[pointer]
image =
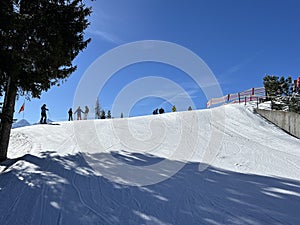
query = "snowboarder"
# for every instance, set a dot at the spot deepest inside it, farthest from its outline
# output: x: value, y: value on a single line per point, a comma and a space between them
x: 43, y: 114
x: 86, y: 112
x: 70, y: 114
x: 78, y: 111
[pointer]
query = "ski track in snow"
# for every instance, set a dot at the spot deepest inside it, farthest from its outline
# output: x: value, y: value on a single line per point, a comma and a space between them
x: 253, y: 177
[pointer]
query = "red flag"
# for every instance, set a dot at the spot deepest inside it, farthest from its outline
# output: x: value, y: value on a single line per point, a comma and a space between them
x: 22, y: 107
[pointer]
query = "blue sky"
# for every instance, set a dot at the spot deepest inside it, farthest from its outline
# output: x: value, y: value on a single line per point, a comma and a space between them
x: 239, y: 40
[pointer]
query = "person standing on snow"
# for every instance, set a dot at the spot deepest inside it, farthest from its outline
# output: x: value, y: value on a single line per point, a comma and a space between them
x: 70, y: 114
x: 78, y: 111
x: 155, y: 112
x: 43, y: 114
x: 86, y: 112
x: 161, y: 111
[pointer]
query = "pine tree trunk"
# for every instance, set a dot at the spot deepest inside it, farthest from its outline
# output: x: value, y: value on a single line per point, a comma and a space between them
x: 7, y: 118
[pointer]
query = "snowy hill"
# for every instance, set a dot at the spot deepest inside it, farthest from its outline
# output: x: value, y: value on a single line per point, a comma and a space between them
x: 220, y: 166
x: 21, y: 123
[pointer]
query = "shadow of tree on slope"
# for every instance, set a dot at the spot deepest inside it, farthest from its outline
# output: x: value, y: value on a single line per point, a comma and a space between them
x: 64, y: 190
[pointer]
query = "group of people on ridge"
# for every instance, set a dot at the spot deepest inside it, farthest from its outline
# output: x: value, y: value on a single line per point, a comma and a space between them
x: 70, y: 112
x: 78, y: 112
x: 160, y: 111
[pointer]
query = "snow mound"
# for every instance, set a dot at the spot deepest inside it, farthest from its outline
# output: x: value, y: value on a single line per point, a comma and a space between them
x: 21, y: 123
x: 225, y: 165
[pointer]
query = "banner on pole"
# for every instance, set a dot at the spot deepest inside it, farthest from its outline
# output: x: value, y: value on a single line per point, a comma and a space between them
x: 22, y: 108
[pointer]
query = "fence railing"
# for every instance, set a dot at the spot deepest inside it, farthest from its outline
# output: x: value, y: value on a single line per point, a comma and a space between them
x: 252, y: 94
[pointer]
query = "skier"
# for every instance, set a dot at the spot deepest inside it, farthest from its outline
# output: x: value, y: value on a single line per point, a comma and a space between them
x: 86, y: 112
x: 43, y: 114
x: 78, y: 111
x: 70, y: 114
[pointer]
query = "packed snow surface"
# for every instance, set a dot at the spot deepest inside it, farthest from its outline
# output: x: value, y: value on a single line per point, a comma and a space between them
x: 225, y: 165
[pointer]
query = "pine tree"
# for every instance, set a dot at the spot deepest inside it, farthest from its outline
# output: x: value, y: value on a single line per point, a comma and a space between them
x: 97, y: 110
x: 122, y: 115
x: 281, y: 90
x: 272, y: 86
x: 287, y: 87
x: 276, y: 86
x: 108, y: 115
x: 190, y: 108
x: 294, y: 105
x: 38, y: 42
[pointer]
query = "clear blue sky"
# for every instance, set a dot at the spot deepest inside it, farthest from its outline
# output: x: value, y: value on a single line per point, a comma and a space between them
x: 239, y: 40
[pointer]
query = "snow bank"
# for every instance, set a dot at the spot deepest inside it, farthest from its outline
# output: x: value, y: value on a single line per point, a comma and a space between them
x: 219, y: 166
x: 21, y: 123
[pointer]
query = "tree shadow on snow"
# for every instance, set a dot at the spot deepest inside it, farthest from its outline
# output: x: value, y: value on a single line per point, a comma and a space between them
x: 53, y: 189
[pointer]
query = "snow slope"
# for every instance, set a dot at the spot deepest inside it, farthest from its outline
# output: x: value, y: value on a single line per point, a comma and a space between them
x: 220, y: 166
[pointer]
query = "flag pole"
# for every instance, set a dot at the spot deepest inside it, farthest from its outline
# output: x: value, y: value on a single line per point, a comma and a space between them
x: 24, y: 109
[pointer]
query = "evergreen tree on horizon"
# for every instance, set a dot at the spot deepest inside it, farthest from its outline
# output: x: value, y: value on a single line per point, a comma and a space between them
x: 97, y: 109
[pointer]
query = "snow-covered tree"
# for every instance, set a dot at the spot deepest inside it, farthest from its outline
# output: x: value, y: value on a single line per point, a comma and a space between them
x: 97, y: 110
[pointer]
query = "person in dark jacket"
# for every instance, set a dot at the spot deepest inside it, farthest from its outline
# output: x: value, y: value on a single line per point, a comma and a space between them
x: 43, y: 114
x: 161, y: 111
x: 155, y: 111
x: 70, y: 114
